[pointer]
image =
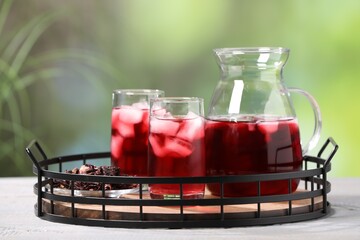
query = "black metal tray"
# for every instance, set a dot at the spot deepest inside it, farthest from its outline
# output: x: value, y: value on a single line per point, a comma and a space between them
x: 137, y: 210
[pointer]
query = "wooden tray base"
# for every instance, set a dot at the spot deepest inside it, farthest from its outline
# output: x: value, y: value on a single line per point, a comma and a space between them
x: 161, y: 213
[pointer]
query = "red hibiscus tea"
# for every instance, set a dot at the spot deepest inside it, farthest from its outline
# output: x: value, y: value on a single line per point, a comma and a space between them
x: 130, y: 128
x: 129, y: 140
x: 252, y: 146
x: 176, y: 149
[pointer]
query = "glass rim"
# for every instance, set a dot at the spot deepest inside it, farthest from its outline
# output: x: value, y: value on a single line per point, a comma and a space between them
x: 139, y: 91
x: 177, y: 99
x: 243, y: 50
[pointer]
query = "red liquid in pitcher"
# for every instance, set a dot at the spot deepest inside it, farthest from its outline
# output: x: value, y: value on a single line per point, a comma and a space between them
x: 253, y: 146
x: 176, y: 149
x: 129, y: 140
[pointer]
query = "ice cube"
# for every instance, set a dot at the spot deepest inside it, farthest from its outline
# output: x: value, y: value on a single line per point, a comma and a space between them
x: 158, y: 111
x: 251, y: 126
x: 115, y: 117
x: 141, y: 105
x: 116, y: 147
x: 171, y: 147
x: 126, y: 130
x: 191, y: 115
x: 168, y: 115
x: 166, y: 127
x: 156, y: 146
x: 192, y: 129
x: 130, y: 115
x: 268, y: 127
x: 175, y: 147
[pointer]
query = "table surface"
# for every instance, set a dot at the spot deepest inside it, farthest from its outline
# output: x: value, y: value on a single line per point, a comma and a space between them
x: 18, y: 221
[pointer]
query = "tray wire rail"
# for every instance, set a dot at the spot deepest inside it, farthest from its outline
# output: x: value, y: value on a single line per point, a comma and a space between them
x: 138, y: 210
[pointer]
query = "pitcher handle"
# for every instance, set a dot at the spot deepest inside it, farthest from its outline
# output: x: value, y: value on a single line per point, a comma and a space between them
x: 318, y: 123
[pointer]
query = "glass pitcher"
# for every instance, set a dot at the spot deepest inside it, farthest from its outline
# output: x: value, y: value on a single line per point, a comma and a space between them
x: 251, y: 125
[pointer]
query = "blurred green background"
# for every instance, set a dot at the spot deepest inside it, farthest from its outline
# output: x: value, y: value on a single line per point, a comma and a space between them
x: 60, y: 61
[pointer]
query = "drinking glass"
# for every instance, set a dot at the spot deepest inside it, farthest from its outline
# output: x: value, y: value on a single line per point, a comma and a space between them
x: 176, y: 145
x: 129, y: 129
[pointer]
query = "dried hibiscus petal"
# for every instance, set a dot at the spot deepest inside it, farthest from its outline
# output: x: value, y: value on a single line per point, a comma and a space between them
x: 89, y: 169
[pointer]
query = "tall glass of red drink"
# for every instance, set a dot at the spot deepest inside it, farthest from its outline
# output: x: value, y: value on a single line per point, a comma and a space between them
x: 129, y: 129
x: 176, y: 146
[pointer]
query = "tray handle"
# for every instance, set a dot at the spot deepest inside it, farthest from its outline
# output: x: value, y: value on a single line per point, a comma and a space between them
x: 32, y: 144
x: 331, y: 155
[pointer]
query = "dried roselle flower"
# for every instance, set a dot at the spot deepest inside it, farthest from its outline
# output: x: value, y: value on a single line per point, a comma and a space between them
x: 99, y: 171
x: 90, y: 169
x: 57, y: 183
x: 86, y: 169
x: 92, y: 186
x: 111, y: 171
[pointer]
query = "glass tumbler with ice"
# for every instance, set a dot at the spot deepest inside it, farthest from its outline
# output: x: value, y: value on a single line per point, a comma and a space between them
x: 129, y: 129
x: 176, y: 145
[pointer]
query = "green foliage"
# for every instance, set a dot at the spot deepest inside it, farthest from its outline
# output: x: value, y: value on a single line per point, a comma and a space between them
x: 19, y: 70
x: 15, y: 78
x: 58, y: 68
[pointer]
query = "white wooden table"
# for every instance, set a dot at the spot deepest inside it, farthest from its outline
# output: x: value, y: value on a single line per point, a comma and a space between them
x: 18, y: 221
